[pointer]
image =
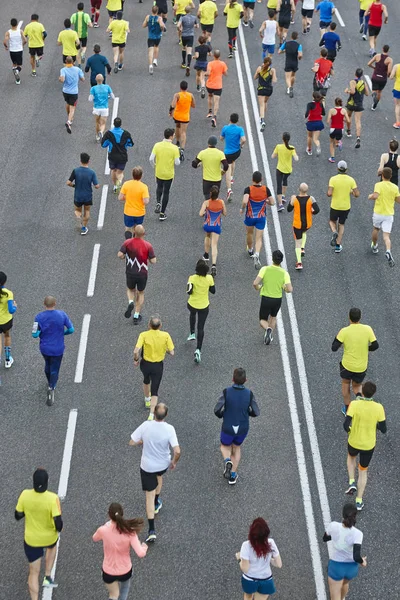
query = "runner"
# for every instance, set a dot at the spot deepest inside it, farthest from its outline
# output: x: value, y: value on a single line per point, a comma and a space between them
x: 201, y: 54
x: 314, y: 112
x: 255, y: 200
x: 364, y: 20
x: 234, y: 407
x: 43, y: 522
x: 14, y: 42
x: 156, y: 439
x: 95, y: 10
x: 69, y: 77
x: 285, y: 154
x: 304, y: 207
x: 97, y: 64
x: 117, y: 140
x: 80, y: 22
x: 395, y: 74
x: 235, y: 139
x: 216, y: 69
x: 186, y: 27
x: 164, y: 157
x: 271, y: 5
x: 358, y: 340
x: 137, y: 253
x: 8, y: 308
x: 265, y: 76
x: 382, y: 65
x: 36, y: 34
x: 271, y: 282
x: 385, y: 195
x: 135, y: 195
x: 294, y: 53
x: 83, y: 180
x: 179, y: 110
x: 51, y: 326
x: 100, y: 95
x: 267, y: 33
x: 162, y: 11
x: 337, y: 116
x: 234, y: 13
x: 376, y: 12
x: 331, y: 41
x: 113, y: 7
x: 326, y: 11
x: 341, y: 187
x: 323, y: 70
x: 213, y: 161
x: 286, y: 10
x: 119, y: 535
x: 179, y: 12
x: 212, y: 211
x: 391, y: 159
x: 248, y: 14
x: 346, y: 556
x: 207, y: 13
x: 119, y: 29
x: 357, y: 90
x: 151, y: 348
x: 198, y: 288
x: 69, y: 40
x: 155, y: 25
x: 364, y: 416
x: 307, y: 13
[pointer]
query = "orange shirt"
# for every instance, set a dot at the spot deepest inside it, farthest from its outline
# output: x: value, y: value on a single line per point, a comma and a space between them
x: 182, y: 108
x: 134, y: 192
x: 215, y: 70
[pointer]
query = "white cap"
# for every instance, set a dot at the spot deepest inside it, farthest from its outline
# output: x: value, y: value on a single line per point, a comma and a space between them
x: 342, y: 165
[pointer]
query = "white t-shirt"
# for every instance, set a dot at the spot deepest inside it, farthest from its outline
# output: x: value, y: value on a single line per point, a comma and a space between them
x: 308, y: 4
x: 259, y: 567
x: 157, y: 438
x: 343, y: 539
x: 270, y: 33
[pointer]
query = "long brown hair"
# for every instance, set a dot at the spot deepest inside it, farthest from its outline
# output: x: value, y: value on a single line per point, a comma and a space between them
x: 129, y: 526
x: 266, y: 65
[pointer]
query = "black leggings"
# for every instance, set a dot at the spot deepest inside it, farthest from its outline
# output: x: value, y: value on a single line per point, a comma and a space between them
x: 232, y: 34
x: 162, y: 191
x: 202, y: 314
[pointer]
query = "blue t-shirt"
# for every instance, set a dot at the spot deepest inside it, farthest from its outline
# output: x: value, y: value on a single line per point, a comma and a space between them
x: 101, y: 93
x: 72, y: 76
x: 325, y: 9
x: 97, y: 63
x: 51, y: 324
x: 232, y: 134
x: 84, y: 179
x: 331, y: 40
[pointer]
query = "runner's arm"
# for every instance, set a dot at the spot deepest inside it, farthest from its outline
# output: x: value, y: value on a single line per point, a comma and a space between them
x: 203, y: 208
x: 336, y: 345
x: 373, y: 346
x: 121, y: 197
x: 18, y: 515
x: 145, y: 21
x: 195, y: 162
x: 274, y: 77
x: 245, y: 200
x: 224, y: 211
x: 176, y: 456
x: 315, y: 207
x: 385, y: 12
x: 5, y: 41
x: 288, y: 288
x: 58, y: 522
x: 257, y: 283
x: 224, y: 164
x: 330, y: 191
x: 371, y: 62
x: 397, y: 199
x: 382, y: 426
x: 290, y: 206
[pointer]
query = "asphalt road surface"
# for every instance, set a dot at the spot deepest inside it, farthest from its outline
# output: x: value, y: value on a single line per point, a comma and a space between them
x: 293, y: 471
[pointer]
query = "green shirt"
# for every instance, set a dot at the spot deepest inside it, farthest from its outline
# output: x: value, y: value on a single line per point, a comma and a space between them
x: 273, y: 281
x: 80, y: 22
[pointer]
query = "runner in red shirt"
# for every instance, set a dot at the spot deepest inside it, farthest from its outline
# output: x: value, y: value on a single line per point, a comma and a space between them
x: 314, y: 113
x: 323, y: 69
x: 375, y: 12
x: 336, y: 119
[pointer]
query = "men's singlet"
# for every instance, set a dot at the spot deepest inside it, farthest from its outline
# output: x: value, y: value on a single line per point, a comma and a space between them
x: 257, y: 204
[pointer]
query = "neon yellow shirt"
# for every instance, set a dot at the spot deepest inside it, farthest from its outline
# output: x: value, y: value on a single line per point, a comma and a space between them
x: 356, y: 339
x: 67, y: 38
x: 388, y: 192
x: 342, y: 185
x: 366, y: 413
x: 34, y: 33
x: 274, y: 280
x: 199, y: 298
x: 119, y: 29
x: 233, y: 15
x: 39, y: 508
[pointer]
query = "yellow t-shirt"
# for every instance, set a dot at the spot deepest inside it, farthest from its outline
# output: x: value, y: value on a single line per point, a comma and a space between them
x: 366, y: 414
x: 165, y: 153
x: 364, y: 4
x: 135, y: 192
x: 233, y: 15
x: 40, y: 510
x: 388, y: 192
x: 356, y: 339
x: 155, y: 344
x: 114, y: 5
x: 119, y: 29
x: 34, y: 33
x: 67, y: 38
x: 342, y: 185
x: 180, y: 6
x: 272, y: 4
x: 211, y: 160
x: 199, y: 298
x: 285, y: 158
x: 274, y: 279
x: 207, y: 11
x: 5, y: 316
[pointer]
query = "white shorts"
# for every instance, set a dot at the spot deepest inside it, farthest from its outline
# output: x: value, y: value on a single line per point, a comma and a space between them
x: 383, y: 222
x: 100, y: 112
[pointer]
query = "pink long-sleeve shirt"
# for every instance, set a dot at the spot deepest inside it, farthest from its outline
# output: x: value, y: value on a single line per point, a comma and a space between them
x: 117, y: 547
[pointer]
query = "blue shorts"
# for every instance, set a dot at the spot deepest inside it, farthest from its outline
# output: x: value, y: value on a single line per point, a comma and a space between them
x: 396, y: 94
x: 270, y: 48
x: 342, y: 570
x: 212, y: 228
x: 132, y: 221
x: 200, y: 65
x: 262, y: 586
x: 33, y: 553
x: 315, y: 126
x: 257, y: 222
x: 228, y: 440
x: 117, y: 166
x: 324, y: 24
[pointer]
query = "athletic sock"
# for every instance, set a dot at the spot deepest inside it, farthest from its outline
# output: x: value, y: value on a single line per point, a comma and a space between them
x: 151, y: 524
x: 136, y: 315
x: 183, y: 57
x: 233, y: 473
x: 358, y: 499
x: 351, y: 481
x: 7, y: 352
x: 156, y: 500
x: 189, y: 59
x: 226, y: 459
x: 206, y: 255
x: 96, y: 17
x: 303, y: 239
x: 298, y: 255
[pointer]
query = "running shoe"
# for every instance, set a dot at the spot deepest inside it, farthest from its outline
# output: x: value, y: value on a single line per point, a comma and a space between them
x: 98, y: 136
x: 150, y: 417
x: 250, y: 251
x: 361, y: 27
x: 68, y: 127
x: 389, y: 257
x: 115, y: 189
x: 304, y: 31
x: 308, y: 28
x: 151, y: 538
x: 162, y: 216
x: 299, y: 266
x: 183, y: 66
x: 120, y: 66
x: 280, y: 208
x: 181, y: 154
x: 233, y: 479
x: 115, y: 67
x: 230, y: 55
x: 303, y: 252
x: 331, y: 159
x: 343, y: 410
x: 229, y: 195
x: 262, y: 123
x: 33, y: 74
x: 234, y: 48
x: 351, y: 489
x: 95, y: 25
x: 364, y: 37
x: 191, y: 337
x: 203, y: 92
x: 257, y: 263
x: 251, y: 24
x: 245, y: 23
x: 228, y: 468
x: 37, y: 60
x: 158, y: 507
x: 268, y: 336
x: 129, y: 310
x: 374, y: 106
x: 290, y: 92
x: 198, y: 88
x: 358, y: 142
x: 206, y: 257
x: 374, y: 248
x: 157, y: 209
x: 309, y: 151
x: 84, y: 230
x: 348, y: 133
x: 318, y: 151
x: 338, y: 248
x: 214, y: 122
x: 359, y: 505
x: 136, y: 320
x: 334, y: 238
x: 209, y: 114
x: 8, y: 362
x: 49, y: 582
x: 151, y: 69
x: 213, y: 271
x: 50, y: 397
x: 340, y: 145
x: 197, y: 356
x: 396, y: 125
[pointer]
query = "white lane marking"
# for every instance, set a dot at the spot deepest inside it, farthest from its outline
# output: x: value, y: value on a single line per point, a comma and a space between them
x: 93, y: 270
x: 63, y: 482
x: 102, y: 210
x: 339, y: 17
x: 368, y: 80
x: 80, y: 363
x: 114, y: 114
x: 19, y: 25
x: 304, y: 480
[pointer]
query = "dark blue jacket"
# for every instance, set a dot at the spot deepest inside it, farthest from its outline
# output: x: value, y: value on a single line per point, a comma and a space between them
x: 235, y: 406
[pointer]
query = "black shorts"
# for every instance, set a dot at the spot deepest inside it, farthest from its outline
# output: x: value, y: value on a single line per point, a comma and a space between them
x: 354, y: 107
x: 187, y: 42
x: 153, y: 43
x: 207, y: 28
x: 112, y: 13
x: 249, y: 5
x: 365, y: 455
x: 291, y: 68
x: 17, y: 57
x: 116, y: 166
x: 83, y: 42
x: 336, y: 134
x: 281, y: 180
x: 65, y: 56
x: 265, y: 92
x: 212, y: 92
x: 298, y: 233
x: 307, y: 13
x: 112, y: 578
x: 284, y: 23
x: 338, y: 215
x: 232, y: 157
x: 350, y: 375
x: 119, y: 45
x: 178, y: 123
x: 149, y: 480
x: 86, y: 203
x: 373, y: 31
x: 332, y: 55
x: 6, y: 326
x: 207, y: 185
x: 269, y: 307
x: 162, y: 7
x: 70, y: 99
x: 324, y: 24
x: 152, y: 373
x: 320, y: 90
x: 378, y: 86
x: 36, y: 51
x: 33, y: 553
x: 178, y: 18
x: 136, y: 281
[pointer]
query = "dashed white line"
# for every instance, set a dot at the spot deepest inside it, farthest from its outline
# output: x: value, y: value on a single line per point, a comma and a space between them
x: 114, y: 114
x: 93, y: 270
x: 339, y: 17
x: 368, y: 80
x: 80, y: 363
x: 102, y: 210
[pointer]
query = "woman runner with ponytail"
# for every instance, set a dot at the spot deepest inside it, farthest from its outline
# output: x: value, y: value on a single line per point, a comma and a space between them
x: 266, y: 76
x: 285, y: 154
x: 234, y: 12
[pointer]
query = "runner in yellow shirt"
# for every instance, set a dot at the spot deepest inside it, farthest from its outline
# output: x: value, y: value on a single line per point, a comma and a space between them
x: 179, y: 12
x: 199, y: 286
x: 164, y: 157
x: 207, y: 13
x: 364, y: 5
x: 36, y: 34
x: 234, y: 13
x: 340, y: 188
x: 119, y: 29
x: 385, y: 195
x: 214, y: 163
x: 69, y: 40
x: 113, y: 7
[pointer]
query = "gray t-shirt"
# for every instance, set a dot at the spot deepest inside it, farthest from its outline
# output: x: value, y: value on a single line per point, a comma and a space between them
x: 188, y: 23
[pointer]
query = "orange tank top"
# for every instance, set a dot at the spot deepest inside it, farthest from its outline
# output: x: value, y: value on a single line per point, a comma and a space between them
x: 182, y: 108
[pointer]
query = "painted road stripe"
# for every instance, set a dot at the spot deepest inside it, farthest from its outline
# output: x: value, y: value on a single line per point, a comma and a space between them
x: 103, y: 204
x: 80, y: 363
x: 368, y: 80
x: 339, y: 17
x: 93, y: 270
x: 114, y: 114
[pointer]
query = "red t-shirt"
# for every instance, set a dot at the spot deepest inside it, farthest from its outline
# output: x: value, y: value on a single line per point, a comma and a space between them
x: 375, y: 15
x: 137, y: 253
x: 324, y: 68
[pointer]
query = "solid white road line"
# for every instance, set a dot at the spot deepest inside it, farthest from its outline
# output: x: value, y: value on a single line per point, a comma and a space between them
x: 20, y: 24
x: 63, y: 482
x: 369, y: 82
x: 114, y: 114
x: 93, y: 270
x: 80, y: 363
x: 339, y: 17
x: 103, y: 204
